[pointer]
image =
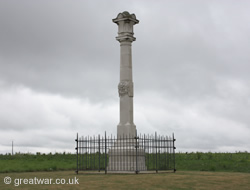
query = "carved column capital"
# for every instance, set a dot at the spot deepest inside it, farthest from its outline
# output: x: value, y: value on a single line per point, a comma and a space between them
x: 125, y: 22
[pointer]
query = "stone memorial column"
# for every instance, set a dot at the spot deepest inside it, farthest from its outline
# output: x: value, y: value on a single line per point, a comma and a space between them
x: 125, y: 22
x: 125, y: 154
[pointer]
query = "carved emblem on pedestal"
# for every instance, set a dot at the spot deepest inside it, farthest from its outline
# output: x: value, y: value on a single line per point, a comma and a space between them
x: 125, y: 87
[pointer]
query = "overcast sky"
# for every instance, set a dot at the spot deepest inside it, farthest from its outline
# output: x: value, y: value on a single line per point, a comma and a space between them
x: 59, y: 72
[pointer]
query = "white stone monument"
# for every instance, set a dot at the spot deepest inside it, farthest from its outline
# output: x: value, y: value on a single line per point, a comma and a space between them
x: 126, y: 155
x: 125, y: 22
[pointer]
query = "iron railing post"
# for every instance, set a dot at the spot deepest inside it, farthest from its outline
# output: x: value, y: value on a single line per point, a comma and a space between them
x: 99, y: 150
x: 76, y: 153
x: 105, y: 153
x: 156, y: 153
x: 136, y: 154
x: 174, y: 152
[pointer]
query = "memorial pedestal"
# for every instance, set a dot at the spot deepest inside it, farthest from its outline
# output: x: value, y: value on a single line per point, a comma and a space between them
x: 125, y: 156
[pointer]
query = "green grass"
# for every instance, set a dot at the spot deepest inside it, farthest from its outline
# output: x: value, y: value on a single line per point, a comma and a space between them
x: 38, y: 162
x: 228, y: 162
x: 183, y: 180
x: 193, y: 172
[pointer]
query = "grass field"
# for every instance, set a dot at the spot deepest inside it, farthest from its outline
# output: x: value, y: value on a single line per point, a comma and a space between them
x: 179, y: 180
x: 231, y: 162
x: 38, y: 162
x: 228, y: 162
x: 194, y: 171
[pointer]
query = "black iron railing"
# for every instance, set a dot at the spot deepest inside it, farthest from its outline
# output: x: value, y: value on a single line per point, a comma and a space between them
x: 126, y: 153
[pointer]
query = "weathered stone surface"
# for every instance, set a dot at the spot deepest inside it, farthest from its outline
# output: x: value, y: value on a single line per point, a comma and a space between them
x: 125, y: 22
x: 126, y: 88
x: 125, y: 155
x: 124, y: 159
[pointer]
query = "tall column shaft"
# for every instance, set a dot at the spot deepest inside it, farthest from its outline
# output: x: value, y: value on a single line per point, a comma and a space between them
x: 126, y: 126
x: 125, y: 22
x: 125, y: 61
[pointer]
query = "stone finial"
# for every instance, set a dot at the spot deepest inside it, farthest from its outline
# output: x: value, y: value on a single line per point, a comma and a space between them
x: 125, y: 22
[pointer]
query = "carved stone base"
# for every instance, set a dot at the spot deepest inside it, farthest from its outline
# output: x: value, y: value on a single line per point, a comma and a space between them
x: 126, y: 158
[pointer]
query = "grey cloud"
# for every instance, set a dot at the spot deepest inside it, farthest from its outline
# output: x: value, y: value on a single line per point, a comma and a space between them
x: 193, y: 57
